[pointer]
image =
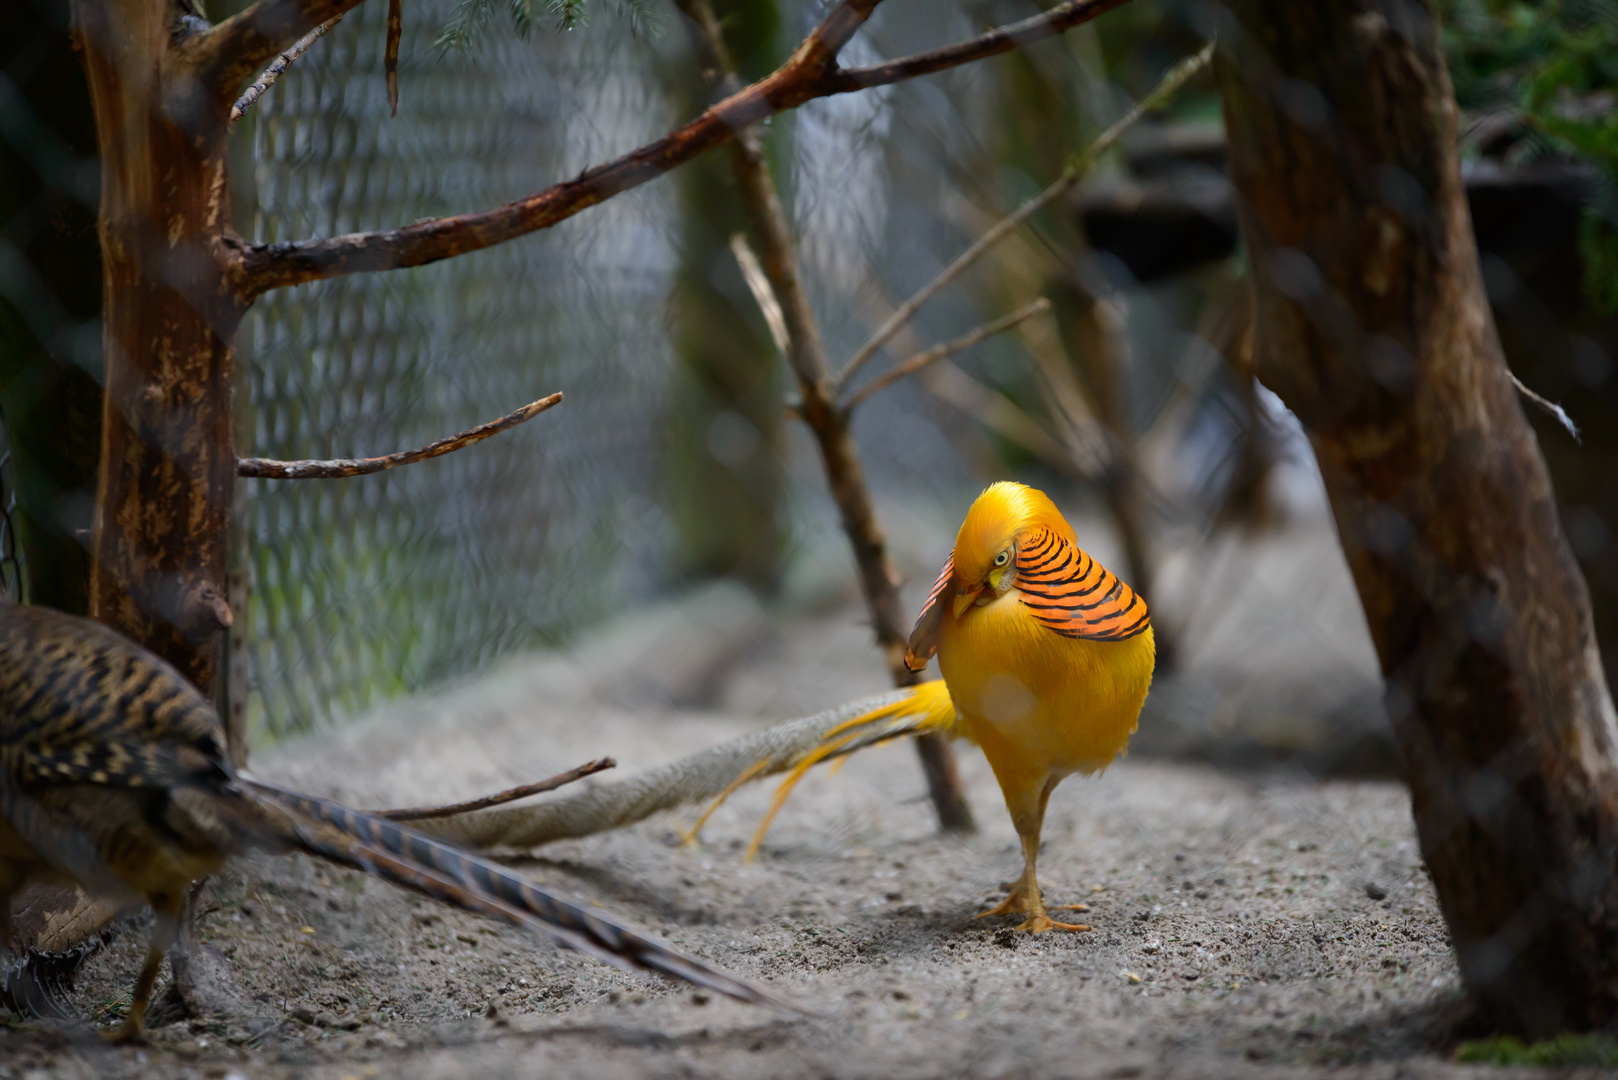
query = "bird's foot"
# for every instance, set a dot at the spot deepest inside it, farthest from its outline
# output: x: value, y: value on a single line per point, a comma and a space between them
x: 1039, y: 923
x: 1015, y: 904
x: 132, y: 1032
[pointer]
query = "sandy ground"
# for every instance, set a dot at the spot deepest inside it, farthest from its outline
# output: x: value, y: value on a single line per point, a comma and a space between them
x: 1258, y: 924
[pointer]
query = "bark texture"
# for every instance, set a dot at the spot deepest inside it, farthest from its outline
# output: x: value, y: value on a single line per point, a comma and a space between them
x: 167, y: 458
x: 1372, y: 324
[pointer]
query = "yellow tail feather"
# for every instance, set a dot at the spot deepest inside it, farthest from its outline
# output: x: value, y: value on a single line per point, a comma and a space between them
x: 927, y: 708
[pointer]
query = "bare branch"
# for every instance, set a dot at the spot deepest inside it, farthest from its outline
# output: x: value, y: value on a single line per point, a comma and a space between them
x: 1556, y: 411
x: 232, y: 52
x: 1177, y: 77
x: 1002, y: 39
x: 946, y: 350
x: 390, y: 55
x: 270, y: 469
x: 416, y: 813
x: 811, y: 72
x: 763, y: 294
x: 278, y: 67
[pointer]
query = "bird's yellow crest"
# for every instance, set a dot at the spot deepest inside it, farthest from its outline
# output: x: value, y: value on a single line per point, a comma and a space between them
x: 1014, y: 536
x: 997, y: 518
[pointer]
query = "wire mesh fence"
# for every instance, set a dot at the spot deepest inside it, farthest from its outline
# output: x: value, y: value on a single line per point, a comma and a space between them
x: 367, y: 587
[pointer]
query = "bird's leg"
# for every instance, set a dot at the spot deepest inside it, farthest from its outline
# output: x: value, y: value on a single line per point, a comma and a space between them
x: 164, y: 926
x: 1025, y: 898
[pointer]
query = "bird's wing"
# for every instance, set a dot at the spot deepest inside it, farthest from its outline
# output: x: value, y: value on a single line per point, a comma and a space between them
x: 1068, y: 591
x: 924, y: 637
x: 81, y: 703
x: 59, y: 844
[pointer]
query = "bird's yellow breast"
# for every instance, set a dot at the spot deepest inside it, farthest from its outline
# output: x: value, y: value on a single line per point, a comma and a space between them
x: 1056, y: 704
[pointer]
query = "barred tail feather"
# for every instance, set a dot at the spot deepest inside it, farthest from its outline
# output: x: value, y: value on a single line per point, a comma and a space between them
x: 405, y: 857
x: 712, y: 774
x: 598, y: 807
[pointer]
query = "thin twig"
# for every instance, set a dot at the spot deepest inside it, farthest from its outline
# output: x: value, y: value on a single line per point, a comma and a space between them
x: 811, y: 72
x: 416, y: 813
x: 1046, y: 24
x: 1001, y: 415
x: 251, y: 95
x: 1177, y: 77
x: 270, y: 469
x: 390, y: 54
x: 1555, y: 410
x: 763, y: 295
x: 946, y: 350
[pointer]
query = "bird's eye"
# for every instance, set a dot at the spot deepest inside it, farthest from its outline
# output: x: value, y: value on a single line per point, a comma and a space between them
x: 1002, y: 558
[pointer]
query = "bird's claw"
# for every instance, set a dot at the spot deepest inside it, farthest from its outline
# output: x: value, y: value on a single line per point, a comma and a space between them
x: 1039, y: 924
x: 1015, y: 904
x: 129, y: 1033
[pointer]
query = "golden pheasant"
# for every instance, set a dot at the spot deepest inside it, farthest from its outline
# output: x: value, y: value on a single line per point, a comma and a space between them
x: 113, y: 775
x: 1046, y: 656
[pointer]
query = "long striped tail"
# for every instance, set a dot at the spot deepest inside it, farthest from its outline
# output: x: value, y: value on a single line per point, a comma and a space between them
x: 792, y: 747
x: 926, y: 707
x: 405, y: 857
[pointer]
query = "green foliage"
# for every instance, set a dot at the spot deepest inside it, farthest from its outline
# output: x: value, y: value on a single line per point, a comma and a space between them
x: 1598, y: 1050
x: 1598, y: 249
x: 467, y: 24
x: 1552, y: 65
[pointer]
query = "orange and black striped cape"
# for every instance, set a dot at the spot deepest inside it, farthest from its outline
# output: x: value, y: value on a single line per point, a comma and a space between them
x: 1061, y: 586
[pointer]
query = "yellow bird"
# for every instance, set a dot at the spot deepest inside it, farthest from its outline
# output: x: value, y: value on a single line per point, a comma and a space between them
x: 1046, y: 655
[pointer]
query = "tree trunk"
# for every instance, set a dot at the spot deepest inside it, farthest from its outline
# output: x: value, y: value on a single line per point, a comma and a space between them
x: 1372, y: 325
x: 726, y: 425
x: 168, y: 463
x: 167, y: 460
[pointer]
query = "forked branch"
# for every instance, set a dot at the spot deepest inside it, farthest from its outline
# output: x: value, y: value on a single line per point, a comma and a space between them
x: 270, y: 469
x: 231, y: 53
x: 811, y: 72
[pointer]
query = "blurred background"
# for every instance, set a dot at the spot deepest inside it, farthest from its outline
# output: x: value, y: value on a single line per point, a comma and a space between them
x: 673, y: 504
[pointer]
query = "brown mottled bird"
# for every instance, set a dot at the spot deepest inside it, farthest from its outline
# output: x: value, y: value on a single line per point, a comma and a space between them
x: 113, y: 775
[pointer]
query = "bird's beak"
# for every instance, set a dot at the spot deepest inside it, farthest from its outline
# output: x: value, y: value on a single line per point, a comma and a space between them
x: 965, y: 599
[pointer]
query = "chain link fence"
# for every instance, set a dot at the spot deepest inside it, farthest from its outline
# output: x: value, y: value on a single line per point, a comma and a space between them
x: 373, y: 586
